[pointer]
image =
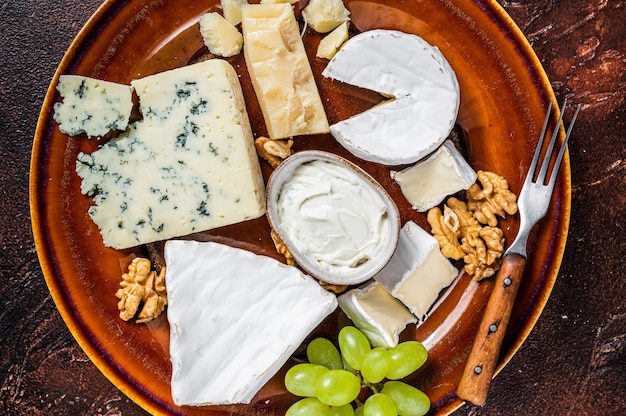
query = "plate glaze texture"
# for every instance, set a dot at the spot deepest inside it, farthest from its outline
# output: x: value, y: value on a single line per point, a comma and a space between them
x: 504, y: 92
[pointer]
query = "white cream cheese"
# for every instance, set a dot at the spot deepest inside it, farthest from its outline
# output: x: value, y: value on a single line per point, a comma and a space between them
x: 332, y: 218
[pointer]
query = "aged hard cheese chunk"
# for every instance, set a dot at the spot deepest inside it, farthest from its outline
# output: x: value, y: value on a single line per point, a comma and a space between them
x: 325, y: 15
x: 188, y: 166
x: 235, y: 319
x: 219, y: 35
x: 280, y: 71
x: 429, y: 181
x: 417, y: 271
x: 331, y: 43
x: 92, y: 106
x: 232, y: 10
x: 375, y: 312
x: 422, y: 83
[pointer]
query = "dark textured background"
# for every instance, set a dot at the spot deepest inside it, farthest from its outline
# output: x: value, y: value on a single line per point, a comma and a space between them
x: 573, y: 363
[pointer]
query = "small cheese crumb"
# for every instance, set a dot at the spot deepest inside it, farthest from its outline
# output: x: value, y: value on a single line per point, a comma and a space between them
x: 219, y: 35
x: 325, y: 15
x: 331, y: 43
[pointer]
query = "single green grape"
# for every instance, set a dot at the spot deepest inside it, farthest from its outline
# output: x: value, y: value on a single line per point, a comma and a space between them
x: 301, y: 379
x: 323, y: 352
x: 379, y: 405
x: 308, y: 407
x: 345, y: 410
x: 409, y: 400
x: 353, y: 345
x: 405, y: 358
x: 338, y: 387
x: 375, y: 365
x: 359, y: 411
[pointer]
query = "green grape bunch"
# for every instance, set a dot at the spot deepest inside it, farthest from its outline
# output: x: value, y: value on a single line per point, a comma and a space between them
x: 331, y: 383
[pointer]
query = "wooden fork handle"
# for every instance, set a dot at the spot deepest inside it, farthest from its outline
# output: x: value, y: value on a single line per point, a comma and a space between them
x: 483, y: 358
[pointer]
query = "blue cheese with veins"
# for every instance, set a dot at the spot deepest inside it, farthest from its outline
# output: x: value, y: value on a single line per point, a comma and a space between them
x: 422, y: 86
x: 92, y: 106
x: 189, y: 165
x: 235, y: 319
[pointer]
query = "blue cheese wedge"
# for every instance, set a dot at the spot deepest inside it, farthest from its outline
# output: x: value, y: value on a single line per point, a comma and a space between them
x: 377, y: 313
x: 189, y: 165
x: 429, y: 181
x: 235, y: 318
x: 418, y: 271
x: 424, y: 95
x: 92, y: 106
x: 280, y: 71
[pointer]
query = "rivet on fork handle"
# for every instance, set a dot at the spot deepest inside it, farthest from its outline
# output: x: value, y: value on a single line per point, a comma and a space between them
x: 478, y: 373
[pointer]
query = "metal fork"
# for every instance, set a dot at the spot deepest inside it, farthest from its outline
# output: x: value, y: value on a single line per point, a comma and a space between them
x: 533, y: 203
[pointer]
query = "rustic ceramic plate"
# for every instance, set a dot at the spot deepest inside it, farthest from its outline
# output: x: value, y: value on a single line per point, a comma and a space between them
x: 504, y: 92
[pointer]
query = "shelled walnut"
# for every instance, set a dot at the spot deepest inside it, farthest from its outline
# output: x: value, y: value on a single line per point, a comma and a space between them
x: 282, y: 249
x: 274, y: 151
x: 459, y: 231
x: 494, y: 198
x: 141, y: 288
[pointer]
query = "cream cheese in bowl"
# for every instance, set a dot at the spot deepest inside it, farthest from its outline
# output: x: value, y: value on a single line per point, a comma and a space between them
x: 337, y: 221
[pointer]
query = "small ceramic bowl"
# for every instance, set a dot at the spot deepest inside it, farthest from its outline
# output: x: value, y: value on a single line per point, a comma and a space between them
x: 336, y: 227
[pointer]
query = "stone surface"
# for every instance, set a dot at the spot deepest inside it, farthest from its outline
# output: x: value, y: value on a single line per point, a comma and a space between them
x: 574, y: 361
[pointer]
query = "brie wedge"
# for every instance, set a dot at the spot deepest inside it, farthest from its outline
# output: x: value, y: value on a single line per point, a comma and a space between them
x: 423, y: 87
x: 235, y: 318
x: 373, y: 310
x: 429, y: 181
x: 417, y: 271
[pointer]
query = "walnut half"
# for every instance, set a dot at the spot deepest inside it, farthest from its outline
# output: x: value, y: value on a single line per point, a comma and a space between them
x: 141, y: 288
x: 461, y: 235
x: 494, y: 198
x: 273, y: 151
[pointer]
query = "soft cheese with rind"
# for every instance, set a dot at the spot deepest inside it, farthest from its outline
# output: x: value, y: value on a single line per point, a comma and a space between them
x: 189, y: 165
x: 235, y: 318
x: 429, y: 181
x: 379, y: 315
x: 418, y: 271
x: 280, y: 71
x: 92, y: 106
x: 423, y: 86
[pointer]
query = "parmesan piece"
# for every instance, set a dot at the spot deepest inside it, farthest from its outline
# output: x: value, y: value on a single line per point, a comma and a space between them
x: 280, y: 71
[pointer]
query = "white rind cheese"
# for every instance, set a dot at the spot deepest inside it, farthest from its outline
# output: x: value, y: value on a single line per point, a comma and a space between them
x: 188, y: 166
x: 219, y: 35
x: 379, y: 315
x: 235, y: 318
x: 92, y: 106
x: 417, y: 271
x: 429, y: 181
x: 280, y: 71
x: 421, y: 82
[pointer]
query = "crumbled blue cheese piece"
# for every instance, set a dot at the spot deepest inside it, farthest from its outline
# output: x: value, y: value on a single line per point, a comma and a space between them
x: 92, y: 106
x: 188, y: 166
x: 418, y: 271
x: 235, y: 318
x: 429, y: 181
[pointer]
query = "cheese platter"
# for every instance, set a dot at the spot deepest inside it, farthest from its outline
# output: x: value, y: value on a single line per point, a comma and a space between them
x: 500, y: 94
